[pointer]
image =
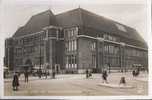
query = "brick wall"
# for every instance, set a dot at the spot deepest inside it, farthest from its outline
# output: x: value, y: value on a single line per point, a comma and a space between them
x: 84, y: 53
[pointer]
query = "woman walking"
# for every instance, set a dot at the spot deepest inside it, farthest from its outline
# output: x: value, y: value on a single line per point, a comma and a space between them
x: 104, y: 76
x: 15, y: 82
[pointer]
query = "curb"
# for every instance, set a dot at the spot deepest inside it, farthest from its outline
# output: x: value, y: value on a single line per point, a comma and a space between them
x: 138, y: 79
x: 115, y: 86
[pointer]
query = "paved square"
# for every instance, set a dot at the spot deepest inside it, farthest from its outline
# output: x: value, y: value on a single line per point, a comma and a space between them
x: 78, y: 85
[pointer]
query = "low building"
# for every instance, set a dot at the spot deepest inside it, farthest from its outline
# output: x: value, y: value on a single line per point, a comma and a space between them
x: 74, y: 41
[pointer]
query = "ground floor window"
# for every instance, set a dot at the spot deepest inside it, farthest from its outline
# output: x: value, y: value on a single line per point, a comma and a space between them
x: 94, y: 61
x: 71, y: 61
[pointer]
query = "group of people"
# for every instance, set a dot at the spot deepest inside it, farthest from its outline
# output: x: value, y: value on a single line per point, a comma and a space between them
x: 135, y: 72
x: 88, y: 73
x: 105, y: 75
x: 15, y: 82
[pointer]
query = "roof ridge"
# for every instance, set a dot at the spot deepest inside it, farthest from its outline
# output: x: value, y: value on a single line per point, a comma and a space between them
x: 67, y: 11
x: 37, y: 15
x: 107, y: 18
x: 43, y: 12
x: 80, y: 15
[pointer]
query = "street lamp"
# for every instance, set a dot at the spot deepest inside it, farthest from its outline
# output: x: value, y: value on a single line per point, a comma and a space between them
x: 40, y: 69
x: 102, y: 41
x: 122, y: 55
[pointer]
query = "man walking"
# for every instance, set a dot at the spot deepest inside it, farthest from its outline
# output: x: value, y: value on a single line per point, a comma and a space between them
x: 104, y: 76
x: 15, y: 82
x: 26, y: 76
x: 46, y: 73
x: 53, y: 74
x: 39, y: 73
x: 87, y: 72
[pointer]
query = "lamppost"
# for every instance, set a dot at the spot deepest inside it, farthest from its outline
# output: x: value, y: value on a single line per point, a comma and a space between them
x: 40, y: 70
x: 122, y: 55
x: 102, y: 41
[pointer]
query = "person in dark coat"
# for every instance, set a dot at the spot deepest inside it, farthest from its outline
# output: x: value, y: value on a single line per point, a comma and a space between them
x: 46, y: 73
x: 26, y: 76
x: 15, y: 82
x: 122, y: 81
x: 87, y: 73
x: 39, y: 73
x: 104, y: 76
x: 134, y: 73
x: 53, y: 74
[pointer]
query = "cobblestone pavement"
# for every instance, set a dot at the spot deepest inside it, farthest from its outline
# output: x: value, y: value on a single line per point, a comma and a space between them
x: 78, y: 85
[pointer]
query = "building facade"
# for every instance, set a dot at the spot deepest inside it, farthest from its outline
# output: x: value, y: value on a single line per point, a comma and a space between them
x: 74, y: 41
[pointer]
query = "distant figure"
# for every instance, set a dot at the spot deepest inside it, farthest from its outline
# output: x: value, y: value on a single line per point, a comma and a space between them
x: 46, y: 73
x: 39, y: 73
x: 122, y: 81
x: 104, y: 76
x: 15, y: 82
x: 87, y: 72
x: 90, y: 74
x: 138, y: 71
x: 26, y: 76
x: 133, y: 73
x: 109, y: 66
x: 53, y: 74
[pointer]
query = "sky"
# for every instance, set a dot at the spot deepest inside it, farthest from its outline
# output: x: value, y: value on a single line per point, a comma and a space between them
x: 15, y: 13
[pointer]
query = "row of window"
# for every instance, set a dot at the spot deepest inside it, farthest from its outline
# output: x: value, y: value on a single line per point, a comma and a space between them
x: 130, y: 62
x: 69, y: 66
x: 29, y: 40
x: 110, y: 49
x: 70, y: 32
x: 71, y: 61
x: 52, y: 33
x: 71, y: 45
x: 114, y: 61
x: 27, y: 50
x: 93, y: 46
x: 94, y: 61
x: 110, y: 37
x: 135, y: 52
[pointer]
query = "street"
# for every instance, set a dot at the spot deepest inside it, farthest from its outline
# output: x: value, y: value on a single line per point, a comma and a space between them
x: 78, y: 85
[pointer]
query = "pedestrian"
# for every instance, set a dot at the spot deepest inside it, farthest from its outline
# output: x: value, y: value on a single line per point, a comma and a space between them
x: 53, y: 74
x: 26, y: 76
x: 90, y: 74
x: 46, y: 73
x: 15, y: 82
x: 104, y: 76
x: 133, y: 73
x: 122, y: 81
x: 39, y: 73
x: 138, y: 71
x: 87, y: 73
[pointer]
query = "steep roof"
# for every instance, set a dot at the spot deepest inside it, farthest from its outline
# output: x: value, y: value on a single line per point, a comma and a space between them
x: 85, y: 18
x: 36, y: 23
x: 70, y: 18
x: 78, y: 17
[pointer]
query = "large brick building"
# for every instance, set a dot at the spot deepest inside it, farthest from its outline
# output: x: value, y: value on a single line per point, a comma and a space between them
x: 74, y: 41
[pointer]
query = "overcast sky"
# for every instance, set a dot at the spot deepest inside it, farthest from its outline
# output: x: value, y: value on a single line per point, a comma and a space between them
x: 16, y: 13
